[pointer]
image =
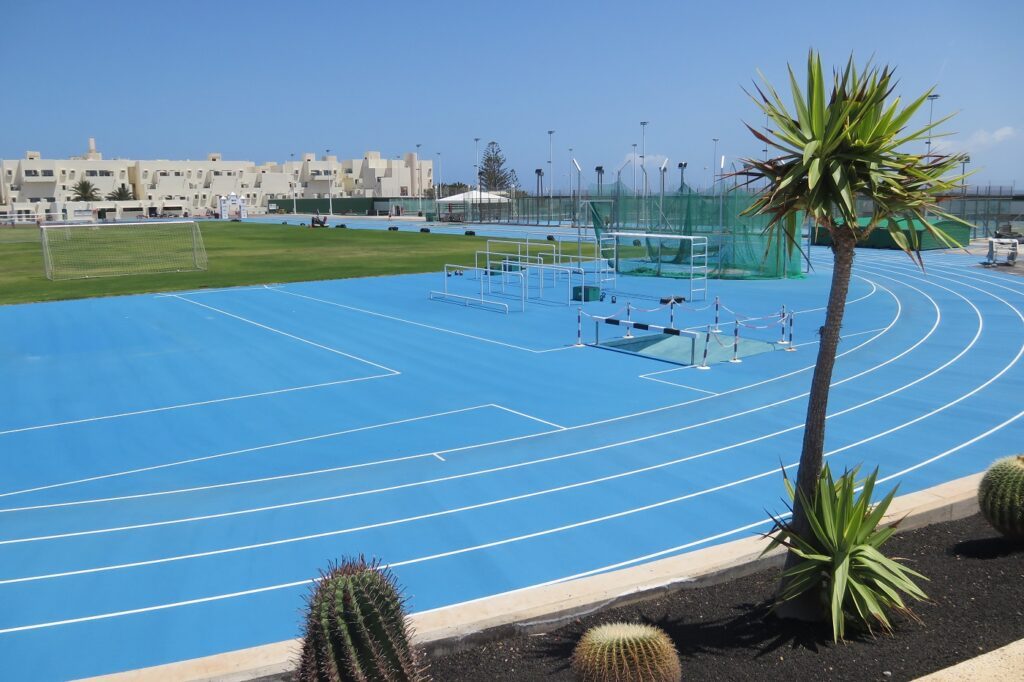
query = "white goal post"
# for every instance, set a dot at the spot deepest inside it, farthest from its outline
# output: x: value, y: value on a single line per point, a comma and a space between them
x: 83, y: 250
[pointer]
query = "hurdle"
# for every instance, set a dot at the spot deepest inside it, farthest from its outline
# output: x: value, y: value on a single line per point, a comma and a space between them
x: 631, y: 325
x: 480, y: 301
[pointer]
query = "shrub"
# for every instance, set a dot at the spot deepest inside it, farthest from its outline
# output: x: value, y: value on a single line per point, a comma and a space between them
x: 840, y: 557
x: 1001, y: 496
x: 356, y: 628
x: 626, y: 652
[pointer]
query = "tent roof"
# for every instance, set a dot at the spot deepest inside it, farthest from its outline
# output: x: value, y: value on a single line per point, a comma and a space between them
x: 473, y: 197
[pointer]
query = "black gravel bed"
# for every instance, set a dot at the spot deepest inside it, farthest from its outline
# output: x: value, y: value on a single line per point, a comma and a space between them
x: 724, y: 632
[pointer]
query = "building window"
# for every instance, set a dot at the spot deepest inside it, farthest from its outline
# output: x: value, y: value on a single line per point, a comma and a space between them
x: 163, y: 174
x: 107, y: 174
x: 47, y: 173
x: 31, y: 173
x: 404, y: 191
x: 216, y: 172
x: 177, y: 174
x: 92, y: 173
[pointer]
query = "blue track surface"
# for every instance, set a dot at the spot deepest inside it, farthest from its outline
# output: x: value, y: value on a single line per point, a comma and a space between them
x: 177, y: 468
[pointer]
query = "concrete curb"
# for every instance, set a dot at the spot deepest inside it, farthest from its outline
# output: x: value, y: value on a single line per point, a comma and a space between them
x: 545, y: 608
x: 1005, y: 664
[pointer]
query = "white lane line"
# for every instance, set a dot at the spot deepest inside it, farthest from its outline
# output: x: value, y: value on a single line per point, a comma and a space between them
x: 672, y: 383
x: 198, y: 403
x: 609, y: 420
x: 466, y: 550
x: 508, y: 467
x: 843, y: 336
x: 528, y: 416
x: 256, y: 448
x: 290, y: 336
x: 423, y: 325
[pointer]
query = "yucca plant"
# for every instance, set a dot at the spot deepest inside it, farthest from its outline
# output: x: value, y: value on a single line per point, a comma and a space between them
x: 845, y: 139
x: 840, y: 566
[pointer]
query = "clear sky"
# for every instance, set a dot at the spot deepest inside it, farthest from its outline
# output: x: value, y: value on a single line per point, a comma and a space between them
x: 260, y: 80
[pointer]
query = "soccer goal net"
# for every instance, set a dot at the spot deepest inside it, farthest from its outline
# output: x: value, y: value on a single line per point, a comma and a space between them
x: 77, y: 251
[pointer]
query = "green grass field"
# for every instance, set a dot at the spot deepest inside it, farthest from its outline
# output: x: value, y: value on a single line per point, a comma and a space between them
x: 247, y: 253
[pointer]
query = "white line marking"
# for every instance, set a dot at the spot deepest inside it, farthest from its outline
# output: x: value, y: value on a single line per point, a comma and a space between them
x: 843, y: 336
x: 464, y: 550
x: 423, y: 325
x: 231, y: 453
x: 507, y: 467
x: 527, y: 416
x: 672, y: 383
x: 198, y: 403
x: 290, y: 336
x: 609, y: 420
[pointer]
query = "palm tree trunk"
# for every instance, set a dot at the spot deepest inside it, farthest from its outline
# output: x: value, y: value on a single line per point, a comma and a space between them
x: 808, y: 606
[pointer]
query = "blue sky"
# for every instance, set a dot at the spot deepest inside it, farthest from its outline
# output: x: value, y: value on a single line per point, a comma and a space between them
x: 260, y: 80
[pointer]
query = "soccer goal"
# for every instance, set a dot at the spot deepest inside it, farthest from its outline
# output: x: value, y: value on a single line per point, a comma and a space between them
x: 78, y: 251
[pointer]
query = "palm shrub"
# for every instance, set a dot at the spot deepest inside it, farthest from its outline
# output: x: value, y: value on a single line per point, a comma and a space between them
x: 626, y: 652
x: 840, y: 565
x: 1001, y: 496
x: 846, y: 138
x: 83, y: 190
x: 356, y: 628
x: 122, y: 193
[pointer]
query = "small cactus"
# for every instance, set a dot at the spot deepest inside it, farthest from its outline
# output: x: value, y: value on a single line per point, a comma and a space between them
x: 1001, y: 496
x: 356, y: 628
x: 626, y: 652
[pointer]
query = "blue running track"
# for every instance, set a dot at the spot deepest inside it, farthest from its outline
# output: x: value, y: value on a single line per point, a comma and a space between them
x: 177, y: 468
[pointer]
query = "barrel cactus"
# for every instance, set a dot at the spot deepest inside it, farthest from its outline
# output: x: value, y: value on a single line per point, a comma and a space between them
x: 626, y: 652
x: 356, y: 628
x: 1001, y: 496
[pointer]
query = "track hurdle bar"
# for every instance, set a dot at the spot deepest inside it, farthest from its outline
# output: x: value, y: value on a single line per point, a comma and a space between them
x: 736, y: 343
x: 791, y: 346
x: 782, y: 323
x: 707, y: 341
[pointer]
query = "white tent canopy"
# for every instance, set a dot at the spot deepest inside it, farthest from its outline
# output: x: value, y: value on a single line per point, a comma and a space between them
x: 473, y: 197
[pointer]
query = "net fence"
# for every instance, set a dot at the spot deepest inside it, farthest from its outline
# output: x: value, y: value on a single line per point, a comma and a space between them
x: 77, y: 251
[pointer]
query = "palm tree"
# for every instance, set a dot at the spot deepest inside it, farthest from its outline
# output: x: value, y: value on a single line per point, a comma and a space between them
x: 832, y: 151
x: 83, y: 190
x: 122, y: 193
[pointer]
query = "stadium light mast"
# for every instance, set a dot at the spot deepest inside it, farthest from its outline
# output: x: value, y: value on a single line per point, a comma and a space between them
x: 714, y: 160
x: 682, y: 176
x: 643, y: 154
x: 634, y: 169
x: 330, y: 182
x: 931, y: 108
x: 437, y: 178
x: 419, y: 177
x: 294, y: 188
x: 551, y: 170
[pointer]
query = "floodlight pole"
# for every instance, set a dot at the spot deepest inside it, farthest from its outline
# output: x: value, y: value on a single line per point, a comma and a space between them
x: 931, y: 108
x: 551, y: 170
x: 643, y: 154
x: 682, y: 176
x: 330, y: 179
x: 294, y: 188
x: 419, y: 177
x: 634, y: 169
x: 714, y: 160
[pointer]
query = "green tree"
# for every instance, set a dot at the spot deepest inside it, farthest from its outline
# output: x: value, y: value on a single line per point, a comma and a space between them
x: 122, y: 193
x: 447, y: 189
x: 838, y: 146
x: 493, y: 174
x: 83, y: 190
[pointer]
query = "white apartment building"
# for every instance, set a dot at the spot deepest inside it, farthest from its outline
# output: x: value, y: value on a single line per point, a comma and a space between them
x: 45, y: 188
